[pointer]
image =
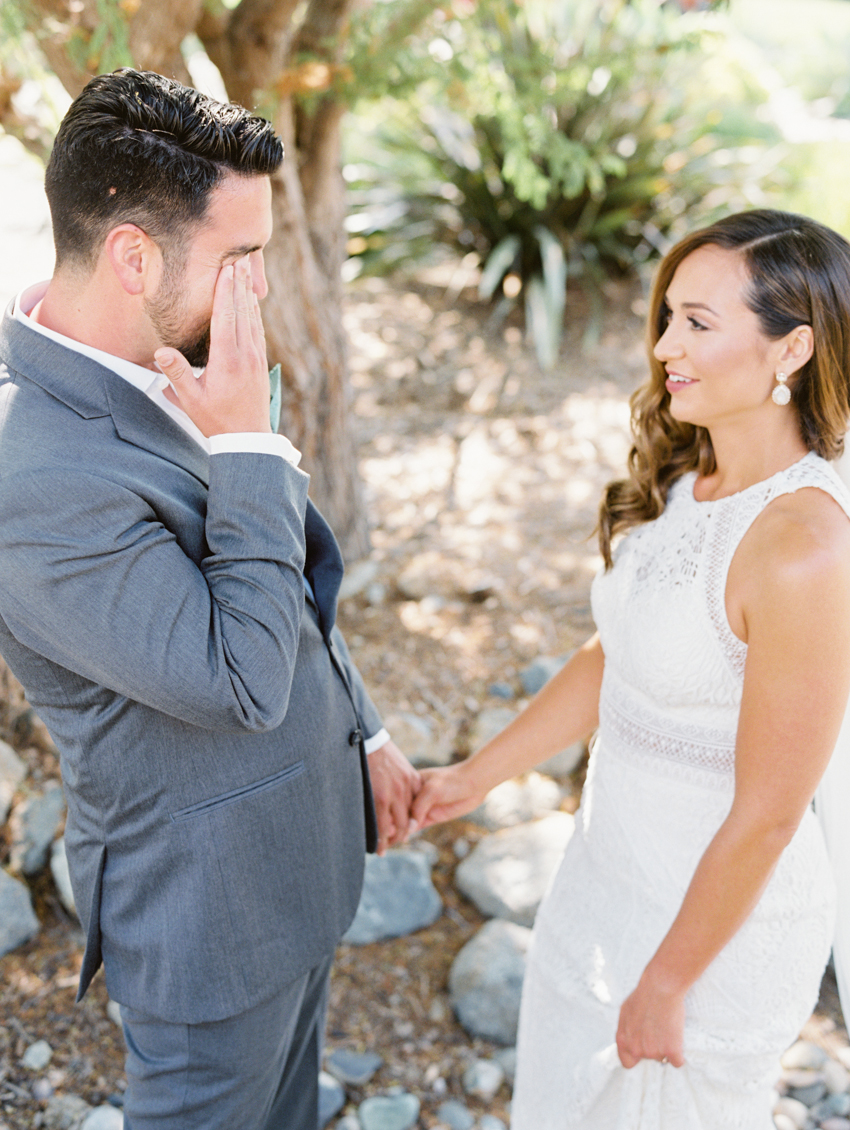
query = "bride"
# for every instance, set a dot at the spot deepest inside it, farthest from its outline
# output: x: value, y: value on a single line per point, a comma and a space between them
x: 681, y: 945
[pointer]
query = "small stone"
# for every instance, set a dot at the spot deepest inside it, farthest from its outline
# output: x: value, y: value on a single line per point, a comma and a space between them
x: 485, y: 981
x: 37, y: 1056
x: 437, y: 1012
x: 331, y: 1097
x: 104, y: 1117
x: 836, y: 1077
x: 113, y: 1011
x: 348, y: 1122
x: 501, y: 690
x: 461, y: 847
x: 61, y: 875
x: 483, y: 1078
x: 535, y: 677
x: 490, y: 1122
x: 455, y: 1115
x: 783, y: 1122
x: 517, y: 801
x: 804, y: 1054
x: 376, y: 593
x: 808, y: 1095
x: 506, y: 1058
x: 41, y: 1090
x: 398, y: 897
x: 389, y: 1112
x: 64, y: 1112
x: 796, y: 1112
x: 18, y: 922
x: 354, y: 1068
x: 835, y: 1123
x: 833, y: 1106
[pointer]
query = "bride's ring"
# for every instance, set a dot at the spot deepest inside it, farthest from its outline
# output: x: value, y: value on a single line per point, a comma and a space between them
x: 664, y: 1059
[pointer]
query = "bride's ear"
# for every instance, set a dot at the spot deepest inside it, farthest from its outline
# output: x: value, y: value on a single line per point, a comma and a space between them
x: 797, y: 349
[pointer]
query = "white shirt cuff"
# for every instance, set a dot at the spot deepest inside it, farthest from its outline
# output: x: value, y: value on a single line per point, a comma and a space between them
x: 375, y: 742
x: 260, y: 443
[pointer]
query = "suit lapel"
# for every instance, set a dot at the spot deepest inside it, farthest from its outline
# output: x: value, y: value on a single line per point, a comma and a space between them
x: 92, y: 390
x: 141, y: 422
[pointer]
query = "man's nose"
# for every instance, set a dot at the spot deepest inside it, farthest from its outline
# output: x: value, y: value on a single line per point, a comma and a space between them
x: 258, y: 274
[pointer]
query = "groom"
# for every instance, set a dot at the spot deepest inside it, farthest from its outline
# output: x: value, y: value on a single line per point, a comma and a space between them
x: 167, y: 599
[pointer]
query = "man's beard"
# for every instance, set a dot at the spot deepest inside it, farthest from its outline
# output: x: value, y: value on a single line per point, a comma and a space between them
x: 166, y: 312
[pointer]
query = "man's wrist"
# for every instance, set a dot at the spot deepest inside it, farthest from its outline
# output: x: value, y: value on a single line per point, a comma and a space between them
x: 377, y: 741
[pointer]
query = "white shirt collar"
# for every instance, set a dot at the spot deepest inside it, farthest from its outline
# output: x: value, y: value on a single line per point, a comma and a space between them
x: 145, y: 380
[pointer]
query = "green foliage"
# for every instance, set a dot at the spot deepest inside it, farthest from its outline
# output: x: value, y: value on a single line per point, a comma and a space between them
x: 555, y: 138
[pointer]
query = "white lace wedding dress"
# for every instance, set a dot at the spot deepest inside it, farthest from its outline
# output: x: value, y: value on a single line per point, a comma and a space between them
x: 659, y: 784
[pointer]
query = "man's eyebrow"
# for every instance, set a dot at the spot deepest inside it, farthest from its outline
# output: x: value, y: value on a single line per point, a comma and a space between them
x: 238, y: 252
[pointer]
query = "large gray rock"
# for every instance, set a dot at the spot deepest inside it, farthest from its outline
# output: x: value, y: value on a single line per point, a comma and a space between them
x: 12, y: 771
x: 485, y: 981
x: 18, y: 922
x: 34, y: 824
x: 517, y: 801
x: 418, y: 739
x: 398, y: 897
x: 507, y: 873
x: 61, y: 875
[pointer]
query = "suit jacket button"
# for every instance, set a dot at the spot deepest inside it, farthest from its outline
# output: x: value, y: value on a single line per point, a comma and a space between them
x: 355, y: 737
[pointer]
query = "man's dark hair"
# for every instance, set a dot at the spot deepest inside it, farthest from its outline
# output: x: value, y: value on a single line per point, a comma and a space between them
x: 138, y: 148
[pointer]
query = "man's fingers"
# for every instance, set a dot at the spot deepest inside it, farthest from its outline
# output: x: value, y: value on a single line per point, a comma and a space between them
x: 177, y: 369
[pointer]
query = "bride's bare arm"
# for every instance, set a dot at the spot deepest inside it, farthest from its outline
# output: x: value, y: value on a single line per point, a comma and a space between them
x: 565, y: 710
x: 788, y: 595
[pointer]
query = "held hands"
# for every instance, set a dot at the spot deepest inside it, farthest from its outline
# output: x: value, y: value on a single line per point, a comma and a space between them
x: 232, y: 393
x: 394, y: 784
x: 651, y: 1026
x: 446, y: 793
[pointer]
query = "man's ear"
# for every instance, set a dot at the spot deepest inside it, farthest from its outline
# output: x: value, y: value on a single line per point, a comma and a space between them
x: 134, y: 257
x: 798, y: 347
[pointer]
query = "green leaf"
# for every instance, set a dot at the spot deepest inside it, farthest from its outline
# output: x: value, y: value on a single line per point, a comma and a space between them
x: 499, y: 261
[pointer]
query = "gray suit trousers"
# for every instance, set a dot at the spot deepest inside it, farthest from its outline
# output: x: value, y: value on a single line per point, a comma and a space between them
x: 255, y: 1071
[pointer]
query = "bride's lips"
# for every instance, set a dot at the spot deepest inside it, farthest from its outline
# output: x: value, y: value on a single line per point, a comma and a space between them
x: 677, y: 381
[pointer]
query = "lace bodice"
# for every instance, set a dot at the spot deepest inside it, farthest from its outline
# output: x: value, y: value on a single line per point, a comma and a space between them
x: 674, y: 668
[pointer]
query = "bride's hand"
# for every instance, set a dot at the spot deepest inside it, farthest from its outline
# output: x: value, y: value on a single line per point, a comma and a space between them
x: 651, y: 1026
x: 445, y: 794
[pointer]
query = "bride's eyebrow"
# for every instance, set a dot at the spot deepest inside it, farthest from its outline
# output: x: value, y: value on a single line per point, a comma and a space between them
x: 691, y: 306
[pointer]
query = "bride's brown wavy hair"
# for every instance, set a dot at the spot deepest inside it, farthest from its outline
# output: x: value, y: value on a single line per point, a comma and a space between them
x: 799, y: 275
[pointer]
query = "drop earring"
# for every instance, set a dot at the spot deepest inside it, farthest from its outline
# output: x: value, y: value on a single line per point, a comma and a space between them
x: 782, y: 393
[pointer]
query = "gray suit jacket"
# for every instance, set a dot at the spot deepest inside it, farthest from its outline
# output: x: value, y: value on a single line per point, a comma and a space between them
x: 208, y: 716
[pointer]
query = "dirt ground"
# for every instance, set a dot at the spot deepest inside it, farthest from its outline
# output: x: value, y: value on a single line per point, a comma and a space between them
x: 482, y: 476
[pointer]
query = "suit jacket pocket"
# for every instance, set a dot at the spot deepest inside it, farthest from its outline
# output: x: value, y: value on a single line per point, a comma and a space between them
x: 205, y: 807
